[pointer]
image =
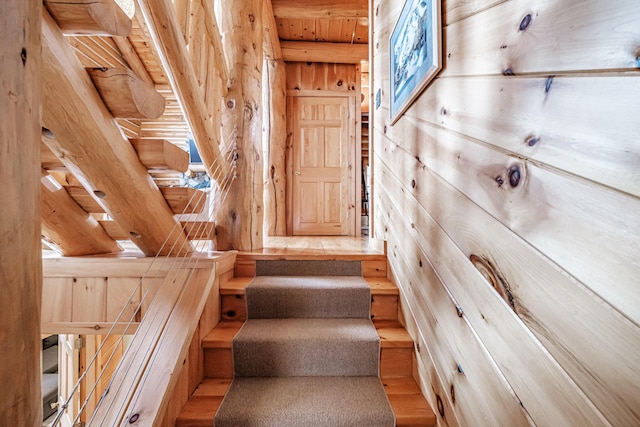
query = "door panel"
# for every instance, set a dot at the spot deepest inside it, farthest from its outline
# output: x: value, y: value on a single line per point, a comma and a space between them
x: 321, y: 166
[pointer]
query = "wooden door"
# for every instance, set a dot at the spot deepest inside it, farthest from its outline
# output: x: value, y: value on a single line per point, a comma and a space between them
x: 322, y: 166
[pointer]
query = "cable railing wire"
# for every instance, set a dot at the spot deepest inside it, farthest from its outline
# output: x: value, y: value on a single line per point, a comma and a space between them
x: 224, y: 189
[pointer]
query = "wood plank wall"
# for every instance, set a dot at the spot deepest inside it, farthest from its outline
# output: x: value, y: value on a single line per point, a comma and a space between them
x: 509, y: 197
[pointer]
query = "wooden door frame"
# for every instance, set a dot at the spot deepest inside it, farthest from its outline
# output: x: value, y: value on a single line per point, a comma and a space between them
x: 355, y: 151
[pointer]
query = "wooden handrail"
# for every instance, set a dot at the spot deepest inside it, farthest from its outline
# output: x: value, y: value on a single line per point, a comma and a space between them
x: 146, y: 376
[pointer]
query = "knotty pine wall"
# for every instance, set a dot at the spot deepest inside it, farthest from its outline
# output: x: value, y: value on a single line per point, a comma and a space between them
x: 509, y: 197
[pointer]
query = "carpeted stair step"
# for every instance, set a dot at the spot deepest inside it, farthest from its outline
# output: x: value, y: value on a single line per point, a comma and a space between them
x: 306, y: 347
x: 396, y: 350
x: 384, y: 299
x: 409, y: 406
x: 308, y: 297
x: 305, y: 401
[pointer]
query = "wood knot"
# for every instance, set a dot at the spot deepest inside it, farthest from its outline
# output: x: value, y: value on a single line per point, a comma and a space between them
x: 384, y: 130
x: 252, y: 18
x: 508, y: 72
x: 339, y: 83
x: 23, y: 55
x: 526, y: 21
x: 453, y: 394
x: 231, y: 103
x: 133, y: 418
x: 514, y: 176
x: 440, y: 405
x: 532, y: 140
x: 547, y: 85
x: 413, y: 183
x: 459, y: 310
x: 500, y: 181
x: 491, y: 274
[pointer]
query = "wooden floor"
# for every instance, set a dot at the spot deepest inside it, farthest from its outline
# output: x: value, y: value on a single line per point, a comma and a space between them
x: 319, y: 245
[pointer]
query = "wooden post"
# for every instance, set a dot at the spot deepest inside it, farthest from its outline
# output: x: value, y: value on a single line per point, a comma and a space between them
x: 275, y: 146
x: 20, y: 251
x: 239, y: 208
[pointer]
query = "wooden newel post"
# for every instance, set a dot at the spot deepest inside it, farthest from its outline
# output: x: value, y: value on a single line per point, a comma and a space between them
x: 239, y: 208
x: 20, y: 247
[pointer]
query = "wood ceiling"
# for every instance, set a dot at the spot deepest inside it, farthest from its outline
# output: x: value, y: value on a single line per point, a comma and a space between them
x: 311, y: 31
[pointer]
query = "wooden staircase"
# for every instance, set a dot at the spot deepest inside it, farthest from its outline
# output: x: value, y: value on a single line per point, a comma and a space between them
x: 397, y: 349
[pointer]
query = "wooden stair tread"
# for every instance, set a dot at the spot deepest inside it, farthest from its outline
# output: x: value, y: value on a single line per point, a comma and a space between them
x: 397, y: 386
x: 199, y: 411
x: 235, y: 286
x: 411, y: 410
x: 222, y: 334
x: 393, y: 335
x: 213, y: 387
x: 311, y: 254
x: 382, y: 286
x: 379, y: 286
x: 409, y: 406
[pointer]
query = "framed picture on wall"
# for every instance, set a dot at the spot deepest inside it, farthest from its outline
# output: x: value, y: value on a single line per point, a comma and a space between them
x: 415, y: 52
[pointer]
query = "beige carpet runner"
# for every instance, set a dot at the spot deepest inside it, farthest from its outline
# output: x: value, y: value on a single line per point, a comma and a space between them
x: 308, y: 355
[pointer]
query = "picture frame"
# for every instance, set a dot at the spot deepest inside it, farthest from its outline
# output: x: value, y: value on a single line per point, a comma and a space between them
x: 415, y: 48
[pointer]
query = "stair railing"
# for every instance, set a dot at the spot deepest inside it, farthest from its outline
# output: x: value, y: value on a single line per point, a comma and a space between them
x: 173, y: 304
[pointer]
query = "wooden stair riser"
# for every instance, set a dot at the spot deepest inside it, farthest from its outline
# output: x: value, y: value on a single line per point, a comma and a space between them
x: 383, y: 307
x: 218, y: 363
x: 396, y: 362
x: 370, y: 267
x: 233, y: 307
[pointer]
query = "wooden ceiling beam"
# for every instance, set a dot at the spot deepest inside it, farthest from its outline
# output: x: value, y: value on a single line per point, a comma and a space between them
x: 271, y: 41
x: 126, y: 95
x: 67, y: 227
x: 48, y: 160
x: 159, y: 155
x: 211, y: 24
x: 341, y: 53
x: 181, y: 200
x: 89, y: 17
x: 317, y: 9
x: 89, y: 143
x: 184, y: 200
x: 167, y: 35
x: 195, y: 230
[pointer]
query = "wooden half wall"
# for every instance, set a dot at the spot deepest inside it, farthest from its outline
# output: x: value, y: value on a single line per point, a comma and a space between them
x: 509, y: 196
x: 170, y: 303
